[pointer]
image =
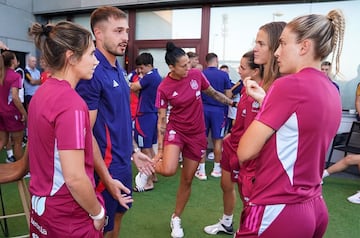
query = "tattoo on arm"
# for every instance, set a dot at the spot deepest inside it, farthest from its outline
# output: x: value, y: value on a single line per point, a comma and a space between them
x: 218, y: 96
x: 161, y: 128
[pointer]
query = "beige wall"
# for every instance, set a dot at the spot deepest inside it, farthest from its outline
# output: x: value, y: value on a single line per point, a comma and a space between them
x: 45, y: 6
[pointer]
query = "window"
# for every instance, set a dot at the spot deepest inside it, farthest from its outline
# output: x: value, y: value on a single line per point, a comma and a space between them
x: 233, y: 31
x: 168, y: 24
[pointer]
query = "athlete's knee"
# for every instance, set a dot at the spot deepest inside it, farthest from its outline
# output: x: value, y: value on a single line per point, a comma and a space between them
x: 352, y: 159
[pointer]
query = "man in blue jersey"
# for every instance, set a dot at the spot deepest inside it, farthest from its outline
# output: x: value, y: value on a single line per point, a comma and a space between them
x: 214, y: 113
x: 107, y: 95
x: 145, y: 132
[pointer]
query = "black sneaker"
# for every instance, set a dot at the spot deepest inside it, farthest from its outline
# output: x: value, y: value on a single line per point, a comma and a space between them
x: 10, y: 159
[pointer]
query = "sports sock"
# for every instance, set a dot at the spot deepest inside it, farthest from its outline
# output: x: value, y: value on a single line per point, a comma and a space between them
x: 201, y: 168
x: 325, y: 173
x: 217, y: 167
x: 227, y: 220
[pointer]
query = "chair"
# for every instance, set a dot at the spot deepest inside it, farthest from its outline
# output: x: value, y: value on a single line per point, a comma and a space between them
x: 348, y: 142
x: 15, y: 172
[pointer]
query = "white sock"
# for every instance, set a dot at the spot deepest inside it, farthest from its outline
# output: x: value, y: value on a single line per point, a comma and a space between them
x: 227, y: 220
x: 201, y: 168
x: 9, y: 153
x: 217, y: 167
x: 325, y: 174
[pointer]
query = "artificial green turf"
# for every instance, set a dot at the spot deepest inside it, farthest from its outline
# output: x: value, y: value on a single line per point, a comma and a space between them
x: 151, y: 211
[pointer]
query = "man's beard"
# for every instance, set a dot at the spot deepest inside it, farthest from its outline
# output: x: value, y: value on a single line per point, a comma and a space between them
x: 112, y: 50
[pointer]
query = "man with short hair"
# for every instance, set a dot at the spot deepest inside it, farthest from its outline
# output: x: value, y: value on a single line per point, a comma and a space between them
x: 214, y: 113
x: 145, y: 131
x: 32, y: 79
x: 326, y: 68
x: 194, y: 59
x: 107, y: 95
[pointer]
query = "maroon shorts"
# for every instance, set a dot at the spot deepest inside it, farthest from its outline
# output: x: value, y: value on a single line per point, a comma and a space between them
x: 59, y: 217
x: 229, y: 161
x: 11, y: 121
x: 299, y: 220
x: 192, y: 146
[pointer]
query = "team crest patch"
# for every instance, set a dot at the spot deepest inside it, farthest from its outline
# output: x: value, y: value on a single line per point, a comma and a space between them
x: 194, y: 85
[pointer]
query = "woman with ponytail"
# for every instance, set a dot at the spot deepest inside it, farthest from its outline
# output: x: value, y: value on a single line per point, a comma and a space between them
x: 299, y: 116
x: 62, y: 187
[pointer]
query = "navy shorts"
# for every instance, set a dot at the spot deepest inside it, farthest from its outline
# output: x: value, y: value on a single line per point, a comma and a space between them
x: 112, y: 206
x: 215, y: 122
x: 145, y: 132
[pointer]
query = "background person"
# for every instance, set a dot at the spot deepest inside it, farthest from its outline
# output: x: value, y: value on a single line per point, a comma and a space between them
x: 185, y: 130
x: 194, y: 59
x: 32, y: 79
x: 60, y: 140
x: 235, y: 90
x: 146, y: 116
x: 288, y: 144
x: 214, y: 113
x: 253, y: 64
x: 357, y: 102
x: 12, y: 112
x: 229, y: 162
x: 326, y: 68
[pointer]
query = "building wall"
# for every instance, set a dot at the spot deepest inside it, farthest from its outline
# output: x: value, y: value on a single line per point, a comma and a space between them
x: 45, y: 6
x: 15, y: 18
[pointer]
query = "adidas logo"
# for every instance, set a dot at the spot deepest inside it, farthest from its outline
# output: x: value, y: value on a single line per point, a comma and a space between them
x: 175, y: 94
x: 115, y: 84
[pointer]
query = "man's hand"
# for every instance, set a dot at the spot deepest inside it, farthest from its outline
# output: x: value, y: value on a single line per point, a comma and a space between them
x: 143, y: 163
x: 115, y: 187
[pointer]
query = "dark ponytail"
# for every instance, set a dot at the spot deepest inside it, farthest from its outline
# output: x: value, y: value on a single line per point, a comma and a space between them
x: 173, y: 53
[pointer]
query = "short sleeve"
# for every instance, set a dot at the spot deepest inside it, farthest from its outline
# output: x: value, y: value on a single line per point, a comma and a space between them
x: 70, y: 127
x: 161, y: 101
x: 204, y: 82
x: 16, y: 82
x: 279, y: 103
x: 90, y: 91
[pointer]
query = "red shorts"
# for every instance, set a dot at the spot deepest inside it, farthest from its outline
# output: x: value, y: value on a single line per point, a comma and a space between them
x: 229, y: 161
x: 192, y: 146
x: 307, y: 219
x: 11, y: 121
x: 59, y: 217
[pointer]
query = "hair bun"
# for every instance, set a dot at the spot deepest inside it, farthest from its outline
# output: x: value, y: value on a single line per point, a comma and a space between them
x: 46, y: 29
x: 170, y: 46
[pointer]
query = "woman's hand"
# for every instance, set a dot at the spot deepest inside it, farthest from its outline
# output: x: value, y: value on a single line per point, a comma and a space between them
x: 254, y: 90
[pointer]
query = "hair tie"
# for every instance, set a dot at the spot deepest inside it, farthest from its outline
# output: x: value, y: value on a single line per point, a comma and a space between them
x: 46, y: 29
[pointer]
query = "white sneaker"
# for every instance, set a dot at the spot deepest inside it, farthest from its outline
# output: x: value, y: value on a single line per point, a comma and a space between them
x: 219, y: 227
x: 211, y: 156
x: 200, y: 175
x: 216, y: 174
x: 354, y: 198
x: 176, y: 229
x: 140, y: 182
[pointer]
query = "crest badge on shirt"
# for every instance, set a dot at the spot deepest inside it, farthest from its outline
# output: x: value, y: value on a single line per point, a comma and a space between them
x: 193, y: 84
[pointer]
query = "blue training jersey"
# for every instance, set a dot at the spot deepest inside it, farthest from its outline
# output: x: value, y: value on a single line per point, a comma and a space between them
x: 108, y: 92
x: 149, y: 84
x: 220, y: 81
